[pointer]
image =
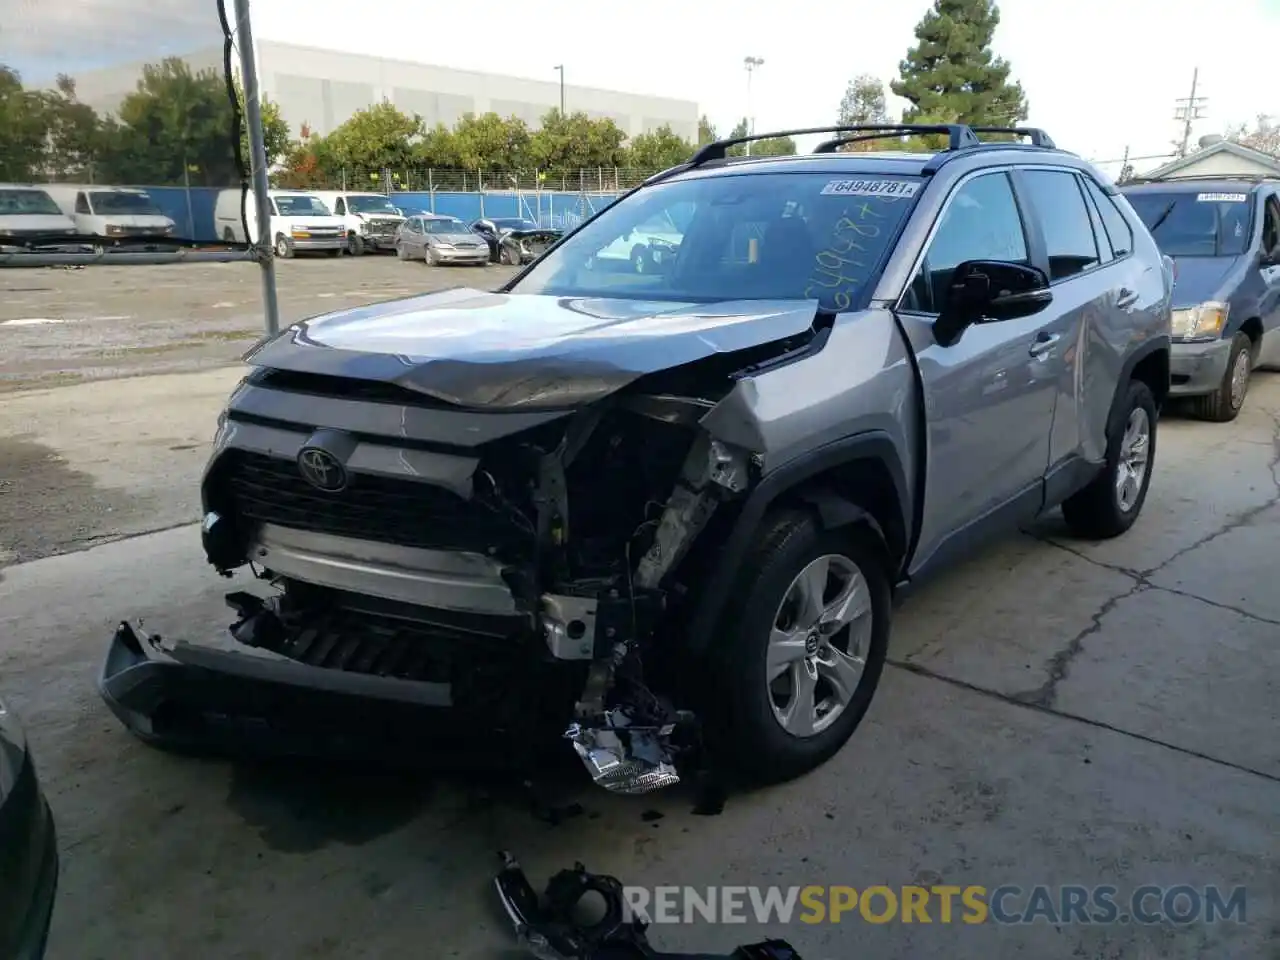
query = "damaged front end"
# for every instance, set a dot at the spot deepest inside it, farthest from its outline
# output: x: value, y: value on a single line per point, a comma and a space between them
x: 523, y: 566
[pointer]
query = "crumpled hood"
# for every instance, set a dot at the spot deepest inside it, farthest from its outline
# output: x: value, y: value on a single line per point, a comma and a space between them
x: 1198, y: 279
x: 521, y: 351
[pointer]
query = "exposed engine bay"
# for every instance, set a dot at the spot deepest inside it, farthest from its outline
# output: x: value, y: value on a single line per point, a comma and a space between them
x: 536, y: 578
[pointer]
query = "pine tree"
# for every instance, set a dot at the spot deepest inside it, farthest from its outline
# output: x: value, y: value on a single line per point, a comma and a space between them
x: 951, y: 75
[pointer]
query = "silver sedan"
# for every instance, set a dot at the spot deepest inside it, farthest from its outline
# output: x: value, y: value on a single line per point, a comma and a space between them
x: 439, y: 241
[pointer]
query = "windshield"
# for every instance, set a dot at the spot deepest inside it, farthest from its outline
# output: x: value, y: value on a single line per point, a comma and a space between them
x: 118, y: 201
x: 301, y: 206
x: 446, y: 225
x: 514, y: 223
x: 1186, y: 224
x: 736, y: 237
x: 22, y: 202
x: 371, y: 205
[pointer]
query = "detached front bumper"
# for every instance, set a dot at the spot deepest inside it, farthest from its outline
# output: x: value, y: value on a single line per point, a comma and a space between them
x: 1198, y: 368
x: 197, y: 699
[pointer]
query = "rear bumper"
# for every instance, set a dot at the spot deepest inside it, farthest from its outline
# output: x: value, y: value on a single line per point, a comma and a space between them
x: 1198, y: 368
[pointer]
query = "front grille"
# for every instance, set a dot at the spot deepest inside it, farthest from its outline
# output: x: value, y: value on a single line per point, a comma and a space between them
x: 347, y: 388
x: 381, y: 509
x: 374, y: 643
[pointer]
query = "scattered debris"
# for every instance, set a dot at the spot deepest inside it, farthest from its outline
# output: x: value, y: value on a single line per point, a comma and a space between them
x: 546, y: 928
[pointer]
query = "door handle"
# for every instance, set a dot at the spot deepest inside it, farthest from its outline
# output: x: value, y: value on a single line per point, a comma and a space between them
x: 1044, y: 344
x: 1127, y: 298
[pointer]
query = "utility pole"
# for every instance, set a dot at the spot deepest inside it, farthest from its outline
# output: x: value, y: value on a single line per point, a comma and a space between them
x: 560, y: 69
x: 1188, y: 112
x: 751, y: 63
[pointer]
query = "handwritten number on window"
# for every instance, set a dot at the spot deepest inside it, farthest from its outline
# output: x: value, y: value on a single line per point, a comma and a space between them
x: 831, y: 282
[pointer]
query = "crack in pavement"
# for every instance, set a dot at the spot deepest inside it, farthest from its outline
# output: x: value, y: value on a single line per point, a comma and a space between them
x: 923, y: 671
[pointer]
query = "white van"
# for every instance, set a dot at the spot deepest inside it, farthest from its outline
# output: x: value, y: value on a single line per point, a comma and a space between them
x: 27, y: 211
x: 370, y: 219
x: 300, y: 221
x: 117, y: 213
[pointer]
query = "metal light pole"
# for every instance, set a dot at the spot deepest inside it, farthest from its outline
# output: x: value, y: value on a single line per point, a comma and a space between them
x: 257, y: 166
x: 560, y: 69
x: 751, y: 63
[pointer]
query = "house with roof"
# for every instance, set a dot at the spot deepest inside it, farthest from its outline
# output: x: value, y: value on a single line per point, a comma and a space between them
x: 1219, y: 158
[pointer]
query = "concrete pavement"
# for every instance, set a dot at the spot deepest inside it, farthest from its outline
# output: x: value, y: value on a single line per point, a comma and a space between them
x: 1058, y: 713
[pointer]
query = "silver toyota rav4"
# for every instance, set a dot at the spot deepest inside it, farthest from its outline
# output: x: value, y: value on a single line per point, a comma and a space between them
x: 625, y: 506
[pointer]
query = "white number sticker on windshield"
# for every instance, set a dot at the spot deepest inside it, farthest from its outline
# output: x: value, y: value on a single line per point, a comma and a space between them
x: 871, y: 188
x: 1222, y: 197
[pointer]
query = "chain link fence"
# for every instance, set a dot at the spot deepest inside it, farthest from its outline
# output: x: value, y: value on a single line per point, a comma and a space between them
x: 599, y: 179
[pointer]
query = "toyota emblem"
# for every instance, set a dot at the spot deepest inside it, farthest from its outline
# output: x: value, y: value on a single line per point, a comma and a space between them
x: 321, y: 469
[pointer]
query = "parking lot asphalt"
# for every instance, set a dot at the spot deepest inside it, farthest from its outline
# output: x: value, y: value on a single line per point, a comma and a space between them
x: 1057, y: 713
x: 60, y: 325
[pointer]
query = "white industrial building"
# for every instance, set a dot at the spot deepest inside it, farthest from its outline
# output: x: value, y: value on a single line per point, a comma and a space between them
x: 322, y: 88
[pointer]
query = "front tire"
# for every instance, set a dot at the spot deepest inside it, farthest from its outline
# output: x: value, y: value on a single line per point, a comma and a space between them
x: 1225, y: 403
x: 401, y: 252
x: 799, y: 662
x: 284, y: 247
x: 508, y: 257
x: 355, y: 244
x: 429, y: 258
x: 1110, y: 504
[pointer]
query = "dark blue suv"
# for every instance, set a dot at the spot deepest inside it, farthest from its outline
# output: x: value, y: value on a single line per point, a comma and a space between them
x: 1224, y: 238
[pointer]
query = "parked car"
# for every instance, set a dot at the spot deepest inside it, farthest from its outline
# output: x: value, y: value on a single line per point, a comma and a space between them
x: 300, y: 222
x: 28, y: 213
x: 515, y: 240
x: 124, y: 216
x: 591, y: 501
x: 371, y: 220
x: 440, y: 241
x: 1224, y: 238
x: 28, y: 849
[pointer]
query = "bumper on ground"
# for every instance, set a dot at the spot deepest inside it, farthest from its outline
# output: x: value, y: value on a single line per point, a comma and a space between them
x: 197, y: 699
x: 1198, y: 368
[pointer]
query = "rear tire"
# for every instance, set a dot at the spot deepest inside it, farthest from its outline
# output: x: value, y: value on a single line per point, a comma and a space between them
x: 1110, y: 504
x: 748, y: 720
x: 1225, y: 403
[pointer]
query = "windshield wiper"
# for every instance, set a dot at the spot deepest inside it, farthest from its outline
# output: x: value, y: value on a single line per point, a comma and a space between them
x: 1163, y: 217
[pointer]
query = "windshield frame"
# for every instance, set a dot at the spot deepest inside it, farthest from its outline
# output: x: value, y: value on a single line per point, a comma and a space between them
x: 1167, y: 199
x: 437, y: 222
x: 143, y: 199
x: 50, y: 210
x: 354, y: 202
x: 324, y: 211
x: 860, y: 300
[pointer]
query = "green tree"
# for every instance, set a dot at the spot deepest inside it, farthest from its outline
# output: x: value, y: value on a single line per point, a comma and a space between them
x: 772, y: 147
x: 567, y: 144
x: 376, y: 137
x: 23, y: 129
x: 658, y: 150
x: 438, y: 148
x: 951, y: 74
x: 73, y: 132
x: 863, y: 104
x: 706, y: 131
x: 176, y: 124
x: 275, y: 130
x: 488, y: 142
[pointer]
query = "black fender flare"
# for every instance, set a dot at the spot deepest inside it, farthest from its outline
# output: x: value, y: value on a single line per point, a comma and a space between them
x: 1129, y: 365
x: 833, y: 511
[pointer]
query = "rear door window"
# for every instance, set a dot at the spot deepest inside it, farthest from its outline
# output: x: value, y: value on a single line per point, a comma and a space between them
x: 1068, y: 231
x: 1119, y: 233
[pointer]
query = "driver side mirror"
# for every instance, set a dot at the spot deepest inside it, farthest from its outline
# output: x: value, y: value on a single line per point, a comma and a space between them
x: 1270, y: 258
x: 988, y: 291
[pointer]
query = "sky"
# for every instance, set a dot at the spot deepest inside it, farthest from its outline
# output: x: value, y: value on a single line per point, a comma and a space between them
x: 1101, y: 76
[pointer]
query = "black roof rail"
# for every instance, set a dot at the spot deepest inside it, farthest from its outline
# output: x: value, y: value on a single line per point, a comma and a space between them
x: 1037, y: 136
x: 1209, y: 177
x: 959, y: 136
